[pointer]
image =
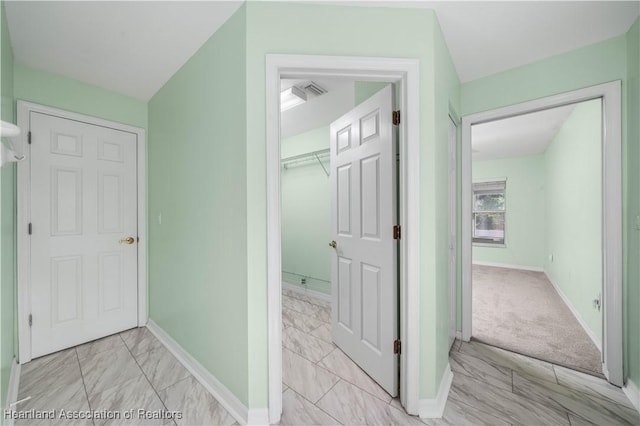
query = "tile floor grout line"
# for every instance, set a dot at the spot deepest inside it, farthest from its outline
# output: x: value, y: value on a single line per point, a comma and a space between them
x: 356, y: 385
x: 319, y: 408
x: 84, y: 385
x: 325, y: 357
x: 325, y: 394
x: 555, y: 374
x: 302, y: 300
x: 499, y: 416
x: 147, y: 378
x: 299, y: 354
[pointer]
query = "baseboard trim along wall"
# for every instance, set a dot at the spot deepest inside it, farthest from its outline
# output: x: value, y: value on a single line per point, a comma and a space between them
x: 12, y: 390
x: 434, y: 408
x: 631, y: 390
x: 219, y: 391
x: 301, y: 290
x: 507, y: 265
x: 576, y: 314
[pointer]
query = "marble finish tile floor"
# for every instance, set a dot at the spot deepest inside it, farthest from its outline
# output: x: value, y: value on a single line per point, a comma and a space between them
x: 321, y: 385
x: 491, y: 386
x: 122, y: 373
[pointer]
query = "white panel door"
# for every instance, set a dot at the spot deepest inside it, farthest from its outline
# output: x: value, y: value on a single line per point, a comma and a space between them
x: 453, y: 214
x: 363, y: 212
x: 83, y: 207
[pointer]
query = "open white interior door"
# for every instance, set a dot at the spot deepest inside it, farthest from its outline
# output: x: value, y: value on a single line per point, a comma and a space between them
x: 363, y: 214
x: 83, y: 242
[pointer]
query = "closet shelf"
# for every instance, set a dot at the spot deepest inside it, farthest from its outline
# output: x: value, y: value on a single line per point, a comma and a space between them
x: 309, y: 156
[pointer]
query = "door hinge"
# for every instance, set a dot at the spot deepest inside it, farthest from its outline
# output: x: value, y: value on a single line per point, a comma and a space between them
x: 396, y: 117
x: 397, y: 232
x: 30, y: 229
x: 29, y: 137
x: 397, y: 347
x: 30, y: 320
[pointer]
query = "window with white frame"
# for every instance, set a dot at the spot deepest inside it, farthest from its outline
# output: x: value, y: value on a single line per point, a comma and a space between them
x: 489, y: 212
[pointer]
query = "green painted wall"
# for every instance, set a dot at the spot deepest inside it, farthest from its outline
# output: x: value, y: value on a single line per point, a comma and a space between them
x: 198, y: 185
x: 306, y: 213
x: 302, y: 29
x: 7, y: 220
x: 446, y: 101
x: 595, y: 64
x: 574, y: 211
x: 64, y: 93
x: 632, y: 259
x: 363, y: 90
x: 525, y: 211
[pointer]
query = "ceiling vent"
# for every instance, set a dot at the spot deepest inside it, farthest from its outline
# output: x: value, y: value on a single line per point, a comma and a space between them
x: 314, y: 89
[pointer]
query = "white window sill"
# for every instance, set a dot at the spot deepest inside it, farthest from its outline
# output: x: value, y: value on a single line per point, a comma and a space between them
x: 488, y: 245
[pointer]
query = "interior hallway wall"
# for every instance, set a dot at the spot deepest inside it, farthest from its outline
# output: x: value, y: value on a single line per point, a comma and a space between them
x: 302, y: 29
x: 60, y: 92
x: 7, y: 221
x: 573, y: 202
x: 632, y: 190
x: 198, y: 207
x: 525, y: 222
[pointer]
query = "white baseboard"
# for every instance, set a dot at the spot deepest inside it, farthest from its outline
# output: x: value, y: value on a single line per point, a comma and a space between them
x: 219, y: 391
x: 302, y: 290
x: 510, y: 266
x: 12, y: 389
x: 459, y: 335
x: 434, y: 408
x: 632, y: 392
x: 576, y: 314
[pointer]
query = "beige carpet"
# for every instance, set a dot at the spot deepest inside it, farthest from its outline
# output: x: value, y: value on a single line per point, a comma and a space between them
x: 521, y: 311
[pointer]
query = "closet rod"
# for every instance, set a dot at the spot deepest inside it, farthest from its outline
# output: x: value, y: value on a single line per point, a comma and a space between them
x: 306, y: 157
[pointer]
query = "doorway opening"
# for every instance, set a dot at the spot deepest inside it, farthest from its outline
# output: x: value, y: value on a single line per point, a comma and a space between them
x: 537, y: 234
x: 335, y: 212
x: 541, y: 251
x: 404, y: 74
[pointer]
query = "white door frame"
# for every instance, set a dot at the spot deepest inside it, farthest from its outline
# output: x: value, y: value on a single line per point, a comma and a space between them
x: 611, y: 215
x: 24, y: 217
x: 453, y: 220
x: 404, y: 72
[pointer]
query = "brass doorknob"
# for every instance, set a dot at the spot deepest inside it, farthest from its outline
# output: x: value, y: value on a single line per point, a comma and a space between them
x: 333, y: 244
x: 129, y: 240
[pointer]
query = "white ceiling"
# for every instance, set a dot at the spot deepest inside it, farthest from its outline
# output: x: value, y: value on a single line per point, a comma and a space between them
x: 134, y: 47
x: 130, y: 47
x: 518, y: 136
x: 486, y: 37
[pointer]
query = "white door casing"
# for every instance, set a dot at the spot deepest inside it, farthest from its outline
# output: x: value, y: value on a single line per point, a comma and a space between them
x: 363, y: 214
x: 82, y: 190
x: 453, y: 222
x: 405, y: 74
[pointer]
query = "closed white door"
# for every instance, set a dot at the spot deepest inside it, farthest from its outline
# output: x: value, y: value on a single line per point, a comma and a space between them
x: 363, y: 213
x: 453, y: 214
x: 83, y: 242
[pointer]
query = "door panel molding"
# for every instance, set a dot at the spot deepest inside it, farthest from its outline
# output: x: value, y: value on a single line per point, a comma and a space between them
x: 405, y: 73
x: 611, y: 96
x: 66, y: 146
